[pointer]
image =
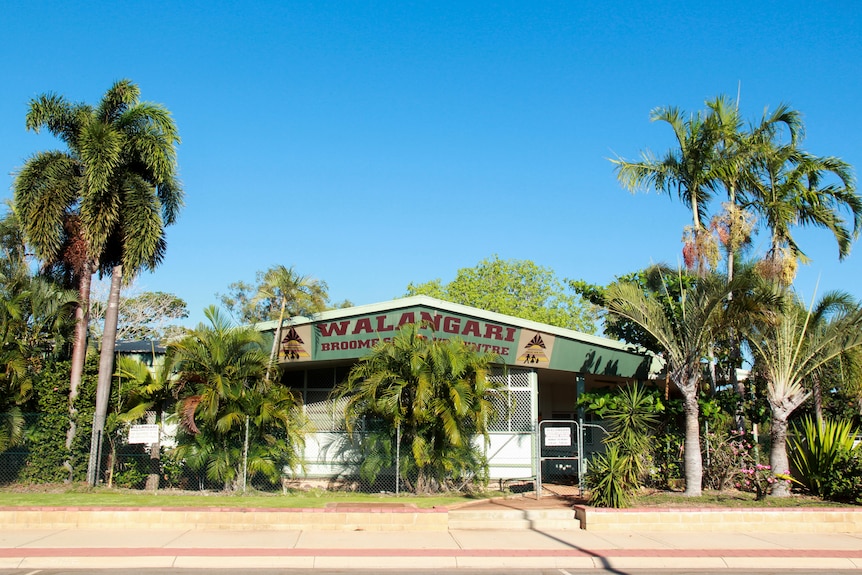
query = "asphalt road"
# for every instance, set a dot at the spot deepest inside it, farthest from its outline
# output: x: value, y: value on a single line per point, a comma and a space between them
x: 420, y: 571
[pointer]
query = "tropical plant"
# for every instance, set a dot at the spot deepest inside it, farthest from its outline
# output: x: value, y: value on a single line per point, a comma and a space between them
x: 141, y: 389
x: 793, y: 187
x: 289, y: 293
x: 102, y: 204
x: 435, y: 395
x: 609, y: 479
x: 686, y: 339
x: 689, y: 171
x: 224, y: 397
x: 788, y: 350
x: 262, y: 301
x: 822, y: 452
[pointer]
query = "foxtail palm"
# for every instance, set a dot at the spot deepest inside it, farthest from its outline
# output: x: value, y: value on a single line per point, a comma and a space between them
x: 789, y: 351
x: 103, y: 203
x: 143, y: 388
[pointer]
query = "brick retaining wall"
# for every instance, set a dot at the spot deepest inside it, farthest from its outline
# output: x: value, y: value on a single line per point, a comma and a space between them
x: 796, y: 520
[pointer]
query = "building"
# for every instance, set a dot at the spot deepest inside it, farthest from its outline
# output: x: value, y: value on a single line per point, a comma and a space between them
x: 543, y: 369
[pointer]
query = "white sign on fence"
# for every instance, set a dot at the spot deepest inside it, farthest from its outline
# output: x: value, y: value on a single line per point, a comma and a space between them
x: 148, y: 434
x: 558, y: 436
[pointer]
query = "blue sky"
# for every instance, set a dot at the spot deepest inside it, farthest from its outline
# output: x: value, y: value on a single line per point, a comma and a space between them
x: 373, y: 144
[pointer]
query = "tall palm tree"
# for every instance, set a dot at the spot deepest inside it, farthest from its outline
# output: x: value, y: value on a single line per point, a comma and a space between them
x: 222, y: 392
x: 105, y: 200
x: 685, y: 339
x: 793, y: 187
x: 689, y: 171
x: 436, y: 393
x: 290, y: 294
x: 788, y: 351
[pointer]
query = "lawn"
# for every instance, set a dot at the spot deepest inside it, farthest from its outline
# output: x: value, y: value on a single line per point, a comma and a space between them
x: 82, y: 496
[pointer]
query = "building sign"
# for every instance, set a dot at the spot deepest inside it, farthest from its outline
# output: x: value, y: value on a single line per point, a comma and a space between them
x: 148, y: 434
x: 354, y: 337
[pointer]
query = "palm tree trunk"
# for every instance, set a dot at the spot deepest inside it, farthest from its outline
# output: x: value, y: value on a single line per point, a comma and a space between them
x: 275, y: 339
x: 692, y: 458
x: 106, y: 371
x: 79, y: 356
x: 817, y: 394
x: 778, y: 454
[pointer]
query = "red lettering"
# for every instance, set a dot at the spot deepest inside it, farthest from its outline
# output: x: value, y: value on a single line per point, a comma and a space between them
x: 340, y: 328
x: 471, y: 328
x: 366, y: 343
x: 433, y: 320
x: 381, y: 319
x: 324, y: 347
x: 451, y: 324
x: 363, y: 324
x: 510, y: 334
x: 493, y: 331
x: 407, y: 317
x: 504, y: 351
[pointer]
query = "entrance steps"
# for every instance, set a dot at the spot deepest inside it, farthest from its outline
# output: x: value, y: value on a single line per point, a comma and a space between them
x: 513, y: 519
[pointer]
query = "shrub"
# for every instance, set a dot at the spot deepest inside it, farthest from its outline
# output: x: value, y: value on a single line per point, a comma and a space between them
x: 610, y: 479
x: 825, y: 461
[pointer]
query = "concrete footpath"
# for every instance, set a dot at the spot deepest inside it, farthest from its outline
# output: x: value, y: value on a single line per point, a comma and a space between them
x: 540, y: 545
x: 475, y: 548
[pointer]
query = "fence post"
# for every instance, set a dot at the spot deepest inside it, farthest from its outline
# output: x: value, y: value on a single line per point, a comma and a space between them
x: 397, y: 458
x: 245, y: 457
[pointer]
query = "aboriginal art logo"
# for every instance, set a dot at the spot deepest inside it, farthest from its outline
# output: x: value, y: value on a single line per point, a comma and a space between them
x: 534, y: 352
x: 292, y: 346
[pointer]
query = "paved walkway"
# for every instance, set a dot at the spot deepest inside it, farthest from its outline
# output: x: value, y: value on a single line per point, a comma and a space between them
x: 572, y: 549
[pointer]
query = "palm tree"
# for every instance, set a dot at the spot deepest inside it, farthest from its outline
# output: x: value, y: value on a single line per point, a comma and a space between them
x: 102, y: 204
x: 685, y: 339
x: 143, y: 388
x: 688, y: 171
x: 796, y: 188
x: 436, y: 393
x: 285, y: 291
x: 788, y: 351
x: 223, y: 392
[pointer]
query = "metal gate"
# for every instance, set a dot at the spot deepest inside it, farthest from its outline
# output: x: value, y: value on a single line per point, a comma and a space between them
x: 562, y: 455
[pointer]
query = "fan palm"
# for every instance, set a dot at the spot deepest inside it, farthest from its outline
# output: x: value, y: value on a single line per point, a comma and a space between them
x: 685, y: 338
x: 436, y: 392
x: 788, y: 351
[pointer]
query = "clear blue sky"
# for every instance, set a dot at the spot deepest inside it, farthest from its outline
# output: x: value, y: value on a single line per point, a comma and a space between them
x: 377, y: 143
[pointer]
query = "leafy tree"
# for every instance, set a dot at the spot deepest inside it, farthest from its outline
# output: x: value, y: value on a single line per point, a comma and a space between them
x: 788, y: 351
x: 102, y: 204
x: 436, y: 393
x: 222, y: 395
x: 143, y: 315
x: 519, y: 288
